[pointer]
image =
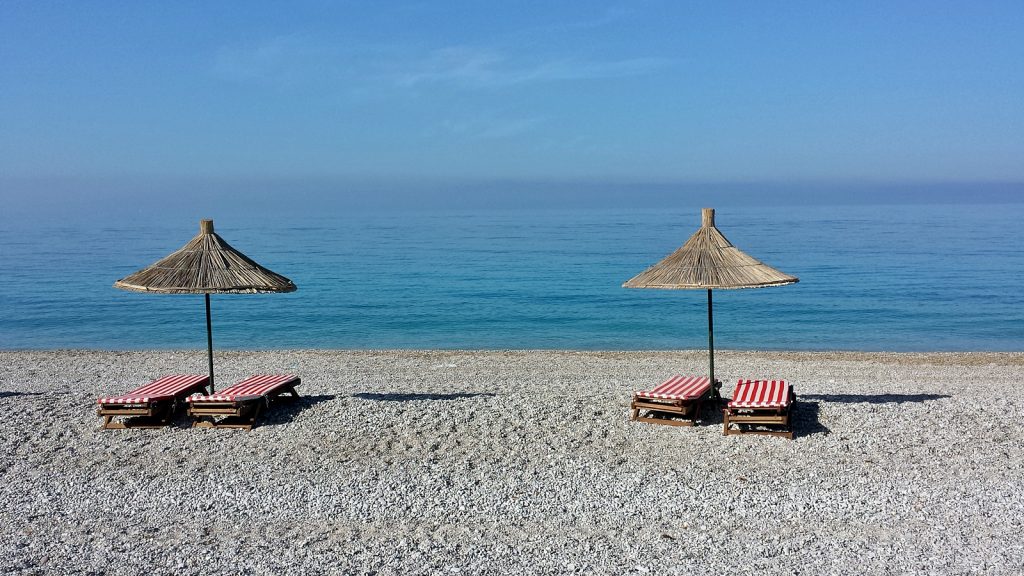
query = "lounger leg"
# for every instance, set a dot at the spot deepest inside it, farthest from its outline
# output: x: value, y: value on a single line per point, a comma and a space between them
x: 696, y: 412
x: 165, y: 414
x: 255, y: 414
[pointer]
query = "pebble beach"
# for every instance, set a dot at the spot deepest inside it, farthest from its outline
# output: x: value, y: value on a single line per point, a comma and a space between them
x: 516, y: 462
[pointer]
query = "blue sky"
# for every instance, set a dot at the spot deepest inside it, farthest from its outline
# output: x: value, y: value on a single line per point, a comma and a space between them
x: 420, y: 92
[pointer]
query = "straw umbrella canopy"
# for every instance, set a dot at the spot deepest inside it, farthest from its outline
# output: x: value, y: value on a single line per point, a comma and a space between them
x: 709, y: 261
x: 206, y: 265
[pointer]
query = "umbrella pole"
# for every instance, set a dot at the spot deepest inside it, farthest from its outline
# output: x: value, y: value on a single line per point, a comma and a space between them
x: 711, y: 350
x: 209, y: 340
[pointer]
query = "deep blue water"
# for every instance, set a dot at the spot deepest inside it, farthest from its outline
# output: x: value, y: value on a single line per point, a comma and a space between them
x: 872, y: 277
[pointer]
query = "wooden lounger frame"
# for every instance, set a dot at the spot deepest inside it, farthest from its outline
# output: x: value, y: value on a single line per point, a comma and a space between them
x: 667, y: 411
x: 761, y: 421
x: 670, y: 412
x: 241, y: 413
x: 146, y: 415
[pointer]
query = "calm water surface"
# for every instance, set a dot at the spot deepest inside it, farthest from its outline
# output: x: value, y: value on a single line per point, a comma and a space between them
x: 921, y: 277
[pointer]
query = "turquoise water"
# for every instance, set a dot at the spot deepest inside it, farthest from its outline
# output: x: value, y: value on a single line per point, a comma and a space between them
x: 885, y: 277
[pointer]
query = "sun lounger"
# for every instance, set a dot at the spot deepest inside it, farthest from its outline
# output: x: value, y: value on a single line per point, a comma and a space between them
x: 239, y: 405
x: 152, y: 405
x: 760, y: 407
x: 677, y: 397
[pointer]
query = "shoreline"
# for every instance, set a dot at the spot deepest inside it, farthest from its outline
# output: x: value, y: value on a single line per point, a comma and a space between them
x: 492, y: 462
x: 687, y: 351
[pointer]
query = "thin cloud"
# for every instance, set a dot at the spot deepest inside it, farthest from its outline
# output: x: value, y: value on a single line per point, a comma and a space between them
x: 490, y: 127
x: 486, y: 68
x: 609, y: 17
x: 272, y: 60
x: 295, y: 60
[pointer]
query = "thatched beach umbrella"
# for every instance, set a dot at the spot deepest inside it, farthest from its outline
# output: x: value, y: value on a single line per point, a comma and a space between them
x: 708, y: 261
x: 206, y: 265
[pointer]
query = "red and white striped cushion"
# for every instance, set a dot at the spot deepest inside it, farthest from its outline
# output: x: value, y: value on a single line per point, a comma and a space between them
x: 251, y: 387
x: 164, y: 388
x: 678, y: 388
x: 760, y: 394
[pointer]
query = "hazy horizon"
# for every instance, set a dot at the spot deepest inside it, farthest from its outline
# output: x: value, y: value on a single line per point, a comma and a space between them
x: 57, y: 202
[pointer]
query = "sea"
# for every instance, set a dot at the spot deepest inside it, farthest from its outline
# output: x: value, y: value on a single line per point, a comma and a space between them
x: 942, y: 276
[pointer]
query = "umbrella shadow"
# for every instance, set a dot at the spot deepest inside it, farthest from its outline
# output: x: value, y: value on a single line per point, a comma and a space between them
x: 874, y: 398
x: 410, y: 397
x: 805, y: 418
x: 283, y: 410
x: 8, y: 394
x: 711, y: 414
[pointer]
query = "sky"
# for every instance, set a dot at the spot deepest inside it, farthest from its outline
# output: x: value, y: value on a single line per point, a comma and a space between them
x: 382, y: 95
